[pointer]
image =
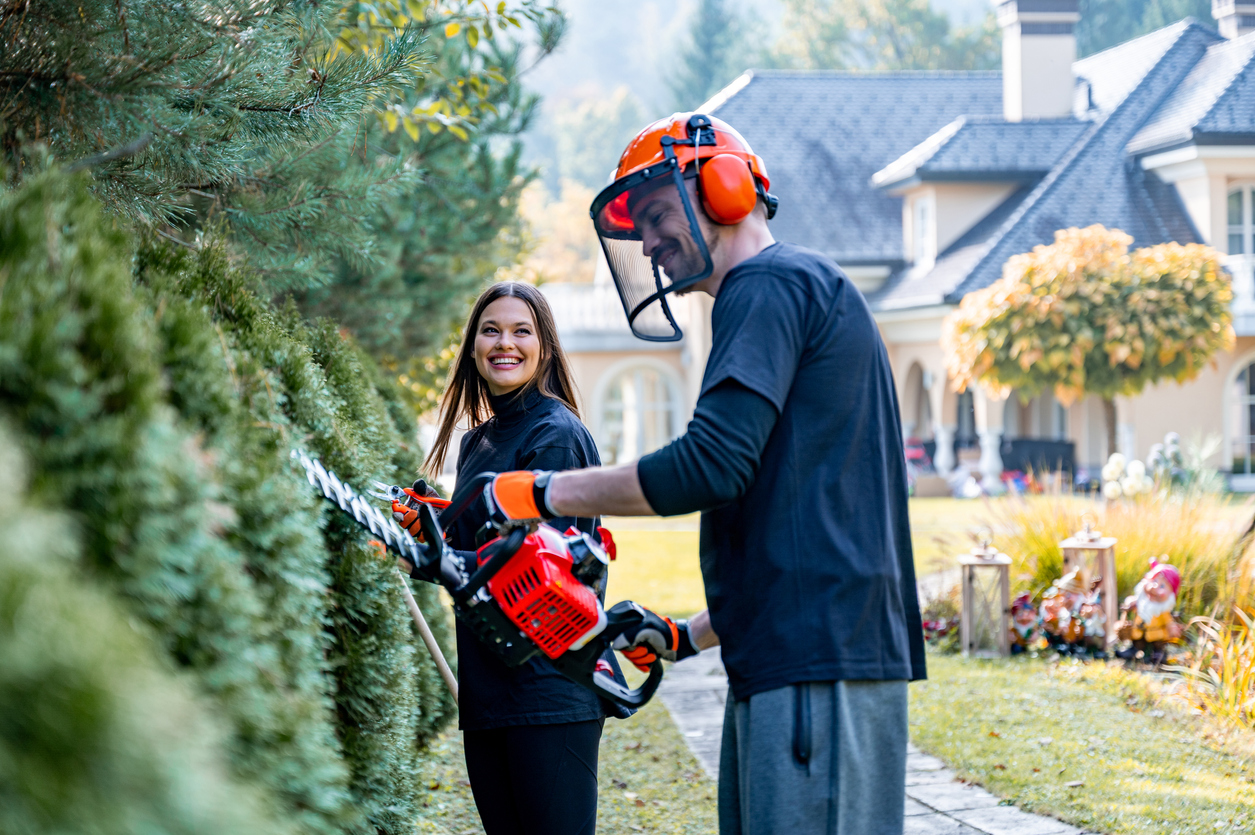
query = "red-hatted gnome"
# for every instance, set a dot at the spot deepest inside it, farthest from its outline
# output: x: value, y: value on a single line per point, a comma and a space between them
x: 1148, y: 619
x: 1023, y: 624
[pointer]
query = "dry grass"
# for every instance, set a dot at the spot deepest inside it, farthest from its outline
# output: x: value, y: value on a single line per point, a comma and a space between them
x: 1221, y: 677
x: 1198, y: 534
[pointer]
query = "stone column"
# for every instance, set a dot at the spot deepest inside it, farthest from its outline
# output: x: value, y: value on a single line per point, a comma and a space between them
x: 989, y: 415
x: 943, y: 422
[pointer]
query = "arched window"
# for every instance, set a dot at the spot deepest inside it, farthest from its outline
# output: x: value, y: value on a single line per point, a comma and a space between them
x: 1242, y: 422
x: 639, y: 414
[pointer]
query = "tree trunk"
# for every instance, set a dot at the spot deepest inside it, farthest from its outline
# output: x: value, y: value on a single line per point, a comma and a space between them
x: 1109, y: 415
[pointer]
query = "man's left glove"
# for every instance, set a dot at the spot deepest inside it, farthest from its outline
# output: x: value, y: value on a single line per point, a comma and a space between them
x: 655, y: 637
x: 519, y: 495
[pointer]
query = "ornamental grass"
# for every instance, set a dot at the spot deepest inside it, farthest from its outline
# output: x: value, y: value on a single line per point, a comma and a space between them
x: 1197, y: 533
x: 1220, y: 678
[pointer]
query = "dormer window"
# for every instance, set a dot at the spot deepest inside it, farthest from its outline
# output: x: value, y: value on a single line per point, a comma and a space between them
x: 924, y: 224
x: 1240, y: 225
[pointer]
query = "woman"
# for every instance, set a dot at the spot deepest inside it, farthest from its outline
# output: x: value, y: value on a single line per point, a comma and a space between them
x: 531, y: 735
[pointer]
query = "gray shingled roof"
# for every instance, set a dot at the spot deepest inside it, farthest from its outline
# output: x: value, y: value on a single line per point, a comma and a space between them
x: 823, y: 135
x: 984, y: 148
x: 1214, y: 98
x: 1094, y: 182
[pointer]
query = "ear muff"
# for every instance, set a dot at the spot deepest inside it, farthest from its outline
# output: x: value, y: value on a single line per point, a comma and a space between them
x: 727, y: 188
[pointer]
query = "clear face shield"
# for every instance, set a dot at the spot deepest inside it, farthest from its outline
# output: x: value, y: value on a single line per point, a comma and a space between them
x: 642, y: 284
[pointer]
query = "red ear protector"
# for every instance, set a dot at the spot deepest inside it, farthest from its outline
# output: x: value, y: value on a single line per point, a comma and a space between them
x: 728, y: 189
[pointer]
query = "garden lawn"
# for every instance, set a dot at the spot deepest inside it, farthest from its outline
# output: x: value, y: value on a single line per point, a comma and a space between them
x: 650, y: 782
x: 1085, y: 743
x: 658, y: 564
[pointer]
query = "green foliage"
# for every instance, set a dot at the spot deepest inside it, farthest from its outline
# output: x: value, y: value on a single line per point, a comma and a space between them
x: 97, y: 735
x: 184, y: 109
x: 882, y: 35
x: 714, y: 54
x: 161, y: 415
x: 1106, y: 23
x: 443, y: 237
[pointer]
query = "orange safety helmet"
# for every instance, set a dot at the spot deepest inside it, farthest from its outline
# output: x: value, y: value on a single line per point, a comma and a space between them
x: 730, y: 180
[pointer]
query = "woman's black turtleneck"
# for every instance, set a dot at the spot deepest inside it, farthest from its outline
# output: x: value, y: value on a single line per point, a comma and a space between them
x: 527, y: 432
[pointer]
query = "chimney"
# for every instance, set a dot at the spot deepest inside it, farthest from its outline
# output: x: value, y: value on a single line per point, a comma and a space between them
x: 1235, y: 18
x: 1038, y: 48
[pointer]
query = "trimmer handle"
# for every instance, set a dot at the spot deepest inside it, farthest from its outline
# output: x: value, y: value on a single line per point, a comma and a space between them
x: 578, y: 665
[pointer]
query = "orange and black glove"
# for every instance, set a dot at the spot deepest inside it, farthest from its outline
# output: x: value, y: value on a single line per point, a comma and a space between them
x: 519, y: 495
x: 406, y: 513
x: 655, y: 637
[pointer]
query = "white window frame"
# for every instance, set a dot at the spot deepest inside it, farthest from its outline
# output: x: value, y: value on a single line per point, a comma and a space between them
x: 675, y: 390
x: 924, y: 229
x: 1241, y: 482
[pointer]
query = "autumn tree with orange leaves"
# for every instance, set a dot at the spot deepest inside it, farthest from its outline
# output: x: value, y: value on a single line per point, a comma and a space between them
x: 1086, y: 316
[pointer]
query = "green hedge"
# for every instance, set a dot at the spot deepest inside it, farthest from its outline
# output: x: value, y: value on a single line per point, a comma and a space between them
x: 157, y: 398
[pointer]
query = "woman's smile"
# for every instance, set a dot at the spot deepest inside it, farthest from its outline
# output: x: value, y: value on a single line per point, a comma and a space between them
x: 507, y: 349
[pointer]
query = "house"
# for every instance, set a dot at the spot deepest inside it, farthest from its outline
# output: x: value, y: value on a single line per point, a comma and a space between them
x: 921, y: 186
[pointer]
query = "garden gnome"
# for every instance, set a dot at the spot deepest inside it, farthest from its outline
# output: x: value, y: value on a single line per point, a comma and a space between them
x: 1094, y: 619
x: 1023, y: 624
x: 1060, y: 612
x: 1148, y: 617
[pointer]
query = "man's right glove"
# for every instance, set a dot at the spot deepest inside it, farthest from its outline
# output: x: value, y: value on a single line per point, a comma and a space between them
x: 655, y: 637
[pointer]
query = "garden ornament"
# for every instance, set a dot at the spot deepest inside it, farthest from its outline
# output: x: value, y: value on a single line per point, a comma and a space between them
x: 1024, y: 624
x: 984, y: 625
x: 1149, y: 622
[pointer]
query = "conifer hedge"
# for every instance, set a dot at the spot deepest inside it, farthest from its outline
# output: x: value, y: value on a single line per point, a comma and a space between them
x: 157, y: 397
x: 97, y: 735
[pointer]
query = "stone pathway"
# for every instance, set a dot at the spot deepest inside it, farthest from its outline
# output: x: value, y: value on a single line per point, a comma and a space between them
x: 936, y: 803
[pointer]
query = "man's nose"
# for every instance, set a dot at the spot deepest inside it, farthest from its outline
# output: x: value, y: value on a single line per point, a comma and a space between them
x: 649, y: 242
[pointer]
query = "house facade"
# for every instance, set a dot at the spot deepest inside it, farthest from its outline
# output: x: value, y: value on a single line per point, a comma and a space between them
x: 922, y: 185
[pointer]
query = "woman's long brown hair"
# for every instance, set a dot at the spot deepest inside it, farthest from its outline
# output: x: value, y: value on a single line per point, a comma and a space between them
x: 466, y: 395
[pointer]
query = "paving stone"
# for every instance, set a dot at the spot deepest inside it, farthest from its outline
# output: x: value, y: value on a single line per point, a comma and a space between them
x: 927, y: 778
x: 936, y: 824
x: 1008, y: 820
x: 923, y: 762
x: 952, y: 797
x: 695, y: 691
x: 914, y: 807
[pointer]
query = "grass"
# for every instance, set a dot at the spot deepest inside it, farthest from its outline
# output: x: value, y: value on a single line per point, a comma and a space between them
x: 658, y: 565
x: 649, y: 782
x: 1089, y: 744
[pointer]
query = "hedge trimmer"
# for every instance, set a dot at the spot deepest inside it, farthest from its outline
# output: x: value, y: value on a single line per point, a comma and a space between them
x: 532, y: 592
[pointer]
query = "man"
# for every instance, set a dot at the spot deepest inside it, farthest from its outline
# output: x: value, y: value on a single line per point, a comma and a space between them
x: 795, y: 457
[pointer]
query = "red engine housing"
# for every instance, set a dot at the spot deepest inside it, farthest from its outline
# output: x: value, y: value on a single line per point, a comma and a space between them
x: 538, y: 593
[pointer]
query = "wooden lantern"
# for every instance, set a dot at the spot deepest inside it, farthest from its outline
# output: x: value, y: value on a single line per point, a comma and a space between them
x: 1089, y: 550
x: 985, y: 623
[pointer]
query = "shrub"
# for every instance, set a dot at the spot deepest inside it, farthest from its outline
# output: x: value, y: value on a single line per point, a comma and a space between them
x: 97, y: 736
x: 157, y: 398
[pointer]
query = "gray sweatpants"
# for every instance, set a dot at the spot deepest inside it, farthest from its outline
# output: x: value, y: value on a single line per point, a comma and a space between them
x: 823, y: 758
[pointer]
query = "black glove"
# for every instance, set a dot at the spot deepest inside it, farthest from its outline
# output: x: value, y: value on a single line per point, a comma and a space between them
x: 655, y: 637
